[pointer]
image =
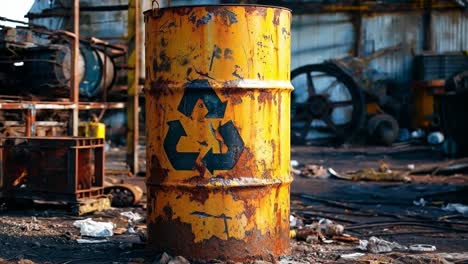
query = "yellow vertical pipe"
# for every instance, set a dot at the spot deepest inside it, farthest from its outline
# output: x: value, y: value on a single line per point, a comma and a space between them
x: 134, y: 61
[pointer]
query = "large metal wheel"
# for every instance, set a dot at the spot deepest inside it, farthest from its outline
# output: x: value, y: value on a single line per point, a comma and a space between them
x: 327, y: 105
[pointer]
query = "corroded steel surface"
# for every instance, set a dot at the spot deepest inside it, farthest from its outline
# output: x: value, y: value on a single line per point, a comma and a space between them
x: 218, y: 104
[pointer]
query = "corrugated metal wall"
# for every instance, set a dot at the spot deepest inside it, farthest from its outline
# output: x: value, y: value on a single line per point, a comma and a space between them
x: 389, y: 30
x: 450, y: 31
x: 316, y: 38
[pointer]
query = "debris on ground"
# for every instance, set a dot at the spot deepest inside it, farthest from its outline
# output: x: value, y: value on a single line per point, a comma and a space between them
x: 90, y: 241
x: 324, y: 231
x: 165, y: 258
x: 314, y: 171
x: 435, y: 138
x: 132, y: 217
x: 456, y: 207
x: 378, y: 245
x: 352, y: 255
x: 383, y: 173
x: 89, y: 227
x: 420, y: 202
x: 422, y: 248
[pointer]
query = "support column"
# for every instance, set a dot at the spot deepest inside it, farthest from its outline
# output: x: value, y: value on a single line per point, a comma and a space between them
x: 133, y: 74
x: 75, y: 81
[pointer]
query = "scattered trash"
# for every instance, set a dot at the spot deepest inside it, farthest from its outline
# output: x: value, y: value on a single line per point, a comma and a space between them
x: 456, y: 207
x: 165, y: 258
x: 332, y: 172
x: 377, y: 245
x: 314, y: 171
x: 120, y: 231
x: 421, y: 202
x: 363, y: 245
x: 302, y: 234
x: 329, y: 228
x: 89, y: 241
x: 404, y: 135
x: 292, y: 221
x: 294, y: 163
x: 345, y: 238
x: 373, y: 175
x: 418, y: 134
x: 322, y: 230
x: 422, y: 248
x: 435, y: 138
x: 131, y: 230
x: 178, y: 260
x: 132, y: 217
x: 352, y: 255
x: 91, y: 228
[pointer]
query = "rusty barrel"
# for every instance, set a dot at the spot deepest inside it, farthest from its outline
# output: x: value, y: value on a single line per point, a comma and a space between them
x: 218, y: 131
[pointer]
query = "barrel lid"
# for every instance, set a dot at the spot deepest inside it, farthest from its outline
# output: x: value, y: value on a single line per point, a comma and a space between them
x: 218, y: 5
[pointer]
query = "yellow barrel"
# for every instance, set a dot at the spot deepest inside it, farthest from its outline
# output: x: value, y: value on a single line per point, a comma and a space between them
x: 218, y: 131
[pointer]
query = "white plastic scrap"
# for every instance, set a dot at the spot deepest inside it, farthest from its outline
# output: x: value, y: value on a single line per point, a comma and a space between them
x: 89, y: 241
x: 421, y: 202
x: 294, y: 163
x: 422, y: 248
x: 352, y: 255
x: 456, y: 207
x: 132, y: 217
x: 377, y: 245
x: 91, y: 228
x: 292, y: 221
x: 363, y: 245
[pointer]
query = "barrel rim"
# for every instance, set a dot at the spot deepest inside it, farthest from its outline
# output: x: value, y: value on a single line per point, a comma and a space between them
x: 147, y: 12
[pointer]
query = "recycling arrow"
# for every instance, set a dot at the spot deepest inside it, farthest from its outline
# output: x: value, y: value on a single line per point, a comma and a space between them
x: 201, y: 89
x: 225, y: 161
x: 179, y: 160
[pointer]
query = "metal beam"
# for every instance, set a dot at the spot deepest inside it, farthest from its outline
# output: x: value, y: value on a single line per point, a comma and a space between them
x: 75, y: 81
x: 64, y: 12
x: 134, y: 60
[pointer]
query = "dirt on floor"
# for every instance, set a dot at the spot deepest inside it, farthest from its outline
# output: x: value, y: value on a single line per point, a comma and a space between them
x: 405, y: 213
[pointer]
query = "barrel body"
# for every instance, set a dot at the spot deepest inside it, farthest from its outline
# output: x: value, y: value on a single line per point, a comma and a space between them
x: 218, y: 131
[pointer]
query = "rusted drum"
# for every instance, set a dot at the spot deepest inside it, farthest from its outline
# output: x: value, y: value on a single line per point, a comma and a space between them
x: 218, y: 105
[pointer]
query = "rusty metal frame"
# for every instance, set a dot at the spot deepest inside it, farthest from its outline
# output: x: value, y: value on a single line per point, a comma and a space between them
x: 30, y: 108
x: 71, y: 146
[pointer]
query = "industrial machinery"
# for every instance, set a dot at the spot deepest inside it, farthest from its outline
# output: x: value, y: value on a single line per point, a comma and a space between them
x: 31, y: 64
x: 326, y: 100
x: 450, y: 109
x: 335, y: 101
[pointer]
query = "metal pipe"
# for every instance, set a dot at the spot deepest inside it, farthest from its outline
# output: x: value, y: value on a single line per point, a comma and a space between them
x: 75, y: 82
x: 134, y: 61
x: 30, y: 127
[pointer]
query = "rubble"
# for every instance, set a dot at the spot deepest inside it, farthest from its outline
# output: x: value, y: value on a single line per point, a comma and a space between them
x: 378, y: 245
x: 314, y: 171
x: 165, y: 258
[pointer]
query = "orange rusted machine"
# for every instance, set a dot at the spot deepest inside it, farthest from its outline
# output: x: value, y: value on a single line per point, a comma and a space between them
x: 218, y: 131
